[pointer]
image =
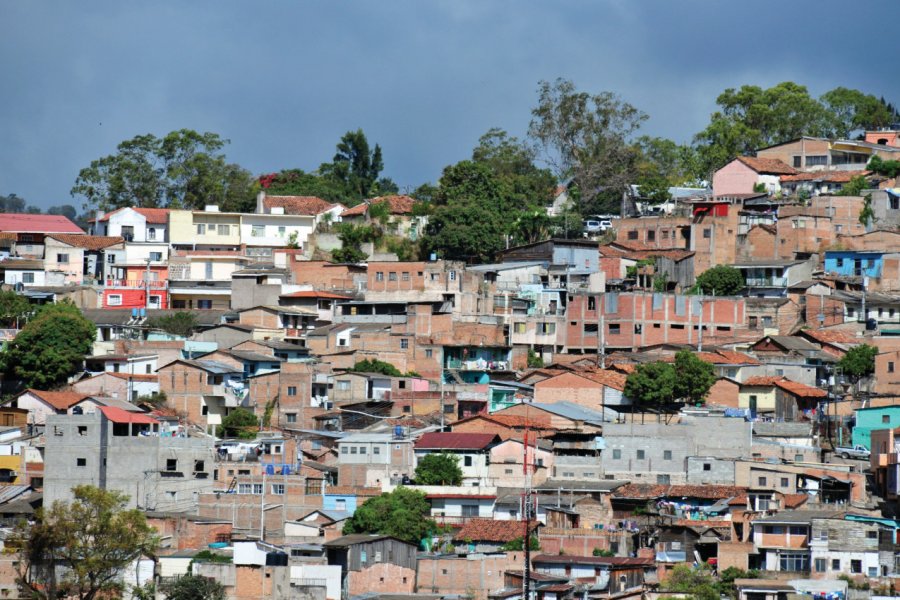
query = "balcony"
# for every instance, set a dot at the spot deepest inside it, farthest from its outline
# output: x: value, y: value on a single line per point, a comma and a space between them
x: 136, y: 284
x: 777, y: 282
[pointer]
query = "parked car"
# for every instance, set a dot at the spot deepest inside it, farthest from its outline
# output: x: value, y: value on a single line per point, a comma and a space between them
x: 591, y: 226
x: 860, y: 452
x: 604, y: 225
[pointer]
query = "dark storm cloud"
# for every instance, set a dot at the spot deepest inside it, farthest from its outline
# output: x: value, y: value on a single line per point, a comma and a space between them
x: 283, y: 80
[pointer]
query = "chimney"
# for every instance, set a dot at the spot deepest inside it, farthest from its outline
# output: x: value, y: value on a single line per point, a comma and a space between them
x: 261, y: 202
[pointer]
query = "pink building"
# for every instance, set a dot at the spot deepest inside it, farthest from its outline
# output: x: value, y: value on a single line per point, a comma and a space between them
x: 743, y: 173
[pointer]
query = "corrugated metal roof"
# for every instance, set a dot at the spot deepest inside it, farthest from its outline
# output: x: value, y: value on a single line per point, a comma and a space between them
x: 437, y: 440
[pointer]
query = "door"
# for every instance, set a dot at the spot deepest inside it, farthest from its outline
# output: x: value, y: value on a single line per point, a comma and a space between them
x: 155, y: 302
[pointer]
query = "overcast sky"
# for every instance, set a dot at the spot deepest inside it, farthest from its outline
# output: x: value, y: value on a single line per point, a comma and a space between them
x: 284, y: 80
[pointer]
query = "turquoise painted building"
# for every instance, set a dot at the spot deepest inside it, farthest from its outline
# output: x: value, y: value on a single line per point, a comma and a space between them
x: 870, y: 419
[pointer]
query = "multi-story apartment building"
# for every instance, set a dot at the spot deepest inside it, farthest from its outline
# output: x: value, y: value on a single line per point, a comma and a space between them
x: 129, y: 453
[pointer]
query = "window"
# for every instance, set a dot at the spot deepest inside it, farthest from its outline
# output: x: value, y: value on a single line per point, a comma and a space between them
x: 707, y: 233
x: 855, y: 565
x: 651, y: 236
x: 343, y: 385
x: 80, y: 462
x: 292, y: 390
x: 224, y: 229
x: 345, y: 449
x: 199, y: 465
x: 547, y: 328
x: 201, y: 229
x: 791, y: 561
x: 404, y: 343
x: 519, y: 328
x: 785, y: 482
x: 592, y: 303
x: 405, y: 276
x: 114, y: 300
x: 452, y: 275
x: 617, y: 454
x: 872, y: 535
x: 816, y: 160
x: 290, y: 417
x: 797, y: 161
x: 835, y: 564
x: 62, y: 258
x: 27, y: 277
x: 707, y: 467
x: 258, y: 231
x: 392, y: 276
x: 354, y: 450
x: 667, y: 455
x: 467, y: 461
x: 151, y: 233
x: 171, y: 464
x: 340, y: 504
x: 640, y: 455
x: 820, y: 565
x: 377, y: 449
x: 508, y: 472
x: 614, y: 329
x: 155, y: 256
x: 278, y: 489
x: 632, y: 235
x: 111, y: 259
x: 204, y: 304
x: 470, y: 510
x: 429, y: 353
x: 762, y: 481
x: 379, y: 276
x: 82, y: 430
x: 885, y: 418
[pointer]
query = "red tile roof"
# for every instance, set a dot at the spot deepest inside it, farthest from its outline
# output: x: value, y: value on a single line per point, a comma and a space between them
x: 511, y: 421
x: 489, y: 530
x: 612, y: 379
x: 762, y: 380
x: 800, y: 390
x: 650, y: 490
x: 399, y: 205
x: 767, y: 165
x: 117, y: 415
x: 153, y: 216
x: 795, y: 500
x: 829, y: 176
x: 830, y: 336
x: 299, y: 205
x: 437, y: 440
x: 88, y: 242
x: 58, y: 400
x: 27, y: 223
x: 316, y: 294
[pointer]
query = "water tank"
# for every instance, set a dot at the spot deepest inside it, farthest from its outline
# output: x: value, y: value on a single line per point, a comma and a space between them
x: 871, y: 324
x: 143, y: 312
x: 398, y: 431
x: 276, y: 559
x: 134, y: 313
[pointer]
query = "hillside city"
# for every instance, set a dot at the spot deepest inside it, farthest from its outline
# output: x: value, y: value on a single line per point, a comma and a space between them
x: 694, y: 394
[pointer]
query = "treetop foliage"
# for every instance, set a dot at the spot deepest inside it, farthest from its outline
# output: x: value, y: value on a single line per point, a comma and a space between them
x: 180, y: 323
x: 403, y: 513
x: 439, y: 468
x: 859, y: 361
x: 721, y: 280
x: 79, y: 549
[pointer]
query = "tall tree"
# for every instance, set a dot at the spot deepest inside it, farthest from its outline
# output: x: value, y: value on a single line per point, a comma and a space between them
x: 50, y: 348
x: 852, y: 110
x: 439, y: 468
x: 11, y: 203
x: 651, y: 384
x: 752, y: 117
x: 81, y: 549
x: 586, y: 137
x: 355, y: 166
x: 693, y: 377
x: 184, y: 169
x: 403, y: 513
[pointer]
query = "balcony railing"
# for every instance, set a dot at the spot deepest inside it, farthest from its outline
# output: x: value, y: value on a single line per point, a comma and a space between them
x: 136, y: 284
x: 766, y: 282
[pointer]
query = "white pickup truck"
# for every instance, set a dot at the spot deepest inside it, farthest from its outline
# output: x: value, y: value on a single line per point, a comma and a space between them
x: 860, y: 452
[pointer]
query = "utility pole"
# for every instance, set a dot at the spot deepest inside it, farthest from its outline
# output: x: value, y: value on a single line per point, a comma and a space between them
x: 147, y: 285
x: 700, y: 330
x: 527, y: 509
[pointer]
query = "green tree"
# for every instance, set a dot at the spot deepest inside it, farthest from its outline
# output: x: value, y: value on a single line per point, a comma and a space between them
x: 651, y: 384
x: 184, y: 169
x: 888, y: 168
x: 867, y: 213
x: 80, y: 549
x: 517, y: 545
x: 376, y: 366
x: 51, y: 347
x: 403, y: 513
x: 66, y: 210
x: 852, y: 110
x: 438, y: 468
x: 356, y: 168
x: 296, y: 182
x: 752, y: 117
x: 721, y: 280
x: 858, y: 361
x: 512, y: 162
x: 663, y: 164
x: 854, y: 187
x: 13, y: 308
x: 181, y: 323
x: 193, y: 587
x: 693, y: 376
x: 240, y: 423
x: 11, y: 203
x: 352, y: 237
x: 699, y: 582
x: 586, y: 137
